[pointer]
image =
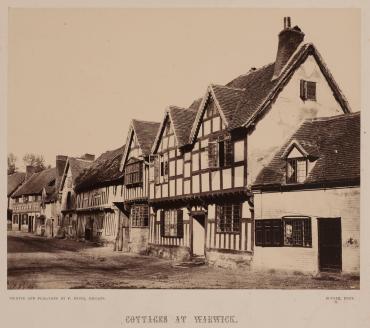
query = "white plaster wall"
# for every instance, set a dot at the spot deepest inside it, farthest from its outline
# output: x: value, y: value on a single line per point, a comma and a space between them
x: 286, y: 115
x: 340, y: 202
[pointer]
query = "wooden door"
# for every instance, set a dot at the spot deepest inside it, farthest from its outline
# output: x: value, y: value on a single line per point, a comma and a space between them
x: 330, y: 244
x: 198, y: 236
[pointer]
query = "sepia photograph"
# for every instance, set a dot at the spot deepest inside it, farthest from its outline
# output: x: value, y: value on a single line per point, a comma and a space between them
x: 183, y: 149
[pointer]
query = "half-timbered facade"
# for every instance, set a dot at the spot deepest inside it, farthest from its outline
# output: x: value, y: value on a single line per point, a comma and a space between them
x: 99, y: 197
x: 28, y: 205
x: 205, y: 158
x: 135, y: 167
x: 14, y: 181
x: 73, y: 168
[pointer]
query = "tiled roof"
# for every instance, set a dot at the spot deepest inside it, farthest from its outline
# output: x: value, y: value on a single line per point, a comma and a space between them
x: 145, y: 133
x: 182, y: 119
x: 228, y: 99
x: 257, y: 85
x: 333, y: 144
x: 35, y: 184
x: 14, y: 181
x: 77, y: 166
x: 103, y: 171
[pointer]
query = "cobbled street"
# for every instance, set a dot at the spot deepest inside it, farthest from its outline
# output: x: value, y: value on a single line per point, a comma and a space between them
x: 41, y: 263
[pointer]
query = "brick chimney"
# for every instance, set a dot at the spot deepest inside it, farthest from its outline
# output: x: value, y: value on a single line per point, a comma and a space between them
x: 60, y: 163
x: 88, y: 157
x: 289, y: 40
x: 30, y: 169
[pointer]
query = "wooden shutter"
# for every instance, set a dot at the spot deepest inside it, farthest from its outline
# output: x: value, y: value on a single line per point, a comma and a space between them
x: 212, y: 153
x: 303, y: 90
x: 180, y: 224
x: 259, y: 232
x: 162, y: 223
x: 229, y: 151
x: 277, y: 232
x: 156, y: 169
x: 311, y: 90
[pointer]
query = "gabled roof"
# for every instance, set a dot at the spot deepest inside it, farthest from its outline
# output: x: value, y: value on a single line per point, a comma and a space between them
x: 145, y: 133
x: 14, y: 181
x: 36, y: 183
x: 182, y: 120
x: 226, y: 99
x: 248, y: 97
x: 102, y: 172
x: 334, y: 145
x: 77, y: 165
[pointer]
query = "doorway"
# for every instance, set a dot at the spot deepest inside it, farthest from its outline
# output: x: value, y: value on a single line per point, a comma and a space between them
x: 30, y: 224
x: 330, y: 244
x: 198, y: 235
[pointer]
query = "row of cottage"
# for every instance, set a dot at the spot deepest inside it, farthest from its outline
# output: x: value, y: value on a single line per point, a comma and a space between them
x: 263, y: 171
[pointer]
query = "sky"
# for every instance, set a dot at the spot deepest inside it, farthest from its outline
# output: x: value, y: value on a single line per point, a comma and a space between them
x: 76, y: 77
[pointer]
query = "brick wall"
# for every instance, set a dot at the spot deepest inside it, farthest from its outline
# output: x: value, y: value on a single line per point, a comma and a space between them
x: 330, y: 203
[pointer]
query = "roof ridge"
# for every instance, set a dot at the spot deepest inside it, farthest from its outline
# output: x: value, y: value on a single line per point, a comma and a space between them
x: 226, y: 87
x: 252, y: 71
x: 330, y: 118
x: 143, y: 121
x: 182, y: 108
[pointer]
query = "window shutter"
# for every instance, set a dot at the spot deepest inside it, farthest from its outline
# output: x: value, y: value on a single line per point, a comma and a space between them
x: 180, y: 224
x: 303, y: 89
x: 212, y: 153
x: 162, y: 223
x: 229, y: 151
x: 311, y: 90
x: 259, y: 233
x: 156, y: 169
x: 277, y: 232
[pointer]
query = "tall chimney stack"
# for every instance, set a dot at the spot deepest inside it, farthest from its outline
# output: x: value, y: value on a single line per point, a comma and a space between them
x: 289, y: 40
x: 30, y: 170
x: 60, y: 163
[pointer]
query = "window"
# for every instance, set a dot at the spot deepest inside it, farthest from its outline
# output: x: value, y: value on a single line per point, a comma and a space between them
x: 308, y: 90
x: 133, y: 173
x: 164, y: 167
x: 17, y: 200
x: 172, y: 223
x: 283, y: 232
x: 297, y: 232
x: 296, y: 170
x: 220, y: 152
x: 268, y: 232
x: 25, y: 199
x: 228, y: 217
x: 140, y: 215
x: 15, y: 219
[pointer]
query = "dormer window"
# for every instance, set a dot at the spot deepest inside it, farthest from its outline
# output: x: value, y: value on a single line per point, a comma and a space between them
x: 296, y: 170
x: 308, y: 90
x: 296, y: 164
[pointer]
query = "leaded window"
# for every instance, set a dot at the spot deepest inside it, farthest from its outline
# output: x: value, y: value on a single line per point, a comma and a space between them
x: 297, y: 232
x: 171, y: 222
x: 220, y: 152
x: 139, y: 215
x: 133, y: 173
x: 228, y: 217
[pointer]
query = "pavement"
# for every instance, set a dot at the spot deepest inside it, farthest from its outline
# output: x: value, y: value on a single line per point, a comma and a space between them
x: 42, y: 263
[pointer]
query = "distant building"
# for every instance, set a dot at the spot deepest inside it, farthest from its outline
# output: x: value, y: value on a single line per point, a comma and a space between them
x: 98, y: 191
x: 15, y: 180
x: 73, y: 168
x: 30, y: 199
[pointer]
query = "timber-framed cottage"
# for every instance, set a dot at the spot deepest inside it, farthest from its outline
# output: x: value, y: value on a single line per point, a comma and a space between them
x: 98, y: 192
x: 206, y: 158
x: 135, y: 168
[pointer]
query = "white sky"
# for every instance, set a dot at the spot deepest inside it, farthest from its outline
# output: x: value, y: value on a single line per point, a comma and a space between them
x: 77, y: 76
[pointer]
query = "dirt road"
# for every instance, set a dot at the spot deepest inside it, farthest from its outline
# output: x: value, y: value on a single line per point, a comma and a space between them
x: 37, y: 262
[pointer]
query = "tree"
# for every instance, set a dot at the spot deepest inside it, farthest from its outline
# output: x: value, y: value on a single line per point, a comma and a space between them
x: 12, y: 159
x: 37, y: 161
